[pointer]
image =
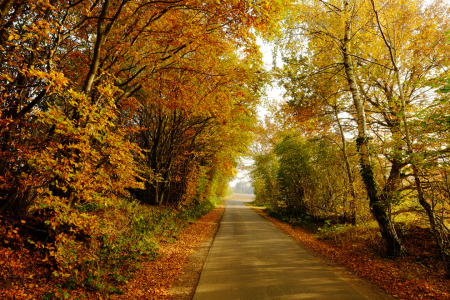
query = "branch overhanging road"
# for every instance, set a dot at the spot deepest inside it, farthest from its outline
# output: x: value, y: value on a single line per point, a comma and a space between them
x: 252, y: 259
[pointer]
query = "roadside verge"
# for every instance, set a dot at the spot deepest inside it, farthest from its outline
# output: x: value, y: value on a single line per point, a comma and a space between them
x: 352, y: 274
x: 185, y: 283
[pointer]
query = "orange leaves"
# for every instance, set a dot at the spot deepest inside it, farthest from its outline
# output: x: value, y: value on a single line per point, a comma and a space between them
x: 85, y: 84
x: 33, y: 271
x: 155, y: 278
x: 138, y: 54
x: 401, y: 278
x: 54, y: 79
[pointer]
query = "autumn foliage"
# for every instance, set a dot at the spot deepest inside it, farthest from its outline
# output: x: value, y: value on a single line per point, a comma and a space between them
x: 121, y: 120
x: 362, y: 136
x: 111, y: 103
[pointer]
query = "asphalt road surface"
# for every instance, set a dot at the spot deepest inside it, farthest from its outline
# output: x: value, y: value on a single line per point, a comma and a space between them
x: 252, y: 259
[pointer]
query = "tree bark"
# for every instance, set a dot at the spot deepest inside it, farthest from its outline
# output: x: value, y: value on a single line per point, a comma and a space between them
x: 393, y: 245
x: 100, y: 40
x: 438, y: 227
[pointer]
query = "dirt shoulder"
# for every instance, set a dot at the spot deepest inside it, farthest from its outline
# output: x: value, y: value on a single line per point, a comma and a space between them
x: 183, y: 286
x: 368, y: 289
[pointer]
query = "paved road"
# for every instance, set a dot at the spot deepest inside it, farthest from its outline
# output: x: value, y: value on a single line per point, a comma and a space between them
x: 252, y: 259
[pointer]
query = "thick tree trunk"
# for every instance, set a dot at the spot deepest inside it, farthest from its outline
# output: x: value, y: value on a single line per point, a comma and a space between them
x: 393, y: 181
x: 438, y: 227
x: 393, y: 245
x: 100, y: 40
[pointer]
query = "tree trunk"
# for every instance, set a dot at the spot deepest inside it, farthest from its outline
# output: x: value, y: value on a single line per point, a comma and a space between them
x: 393, y: 245
x: 437, y: 225
x: 393, y: 182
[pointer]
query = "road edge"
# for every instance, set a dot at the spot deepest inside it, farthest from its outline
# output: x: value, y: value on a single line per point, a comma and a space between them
x: 185, y: 284
x: 368, y: 289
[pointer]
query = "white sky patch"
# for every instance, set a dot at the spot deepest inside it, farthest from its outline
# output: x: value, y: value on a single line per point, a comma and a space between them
x: 274, y: 92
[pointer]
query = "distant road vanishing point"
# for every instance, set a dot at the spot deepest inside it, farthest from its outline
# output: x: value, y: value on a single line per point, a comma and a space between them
x: 252, y: 259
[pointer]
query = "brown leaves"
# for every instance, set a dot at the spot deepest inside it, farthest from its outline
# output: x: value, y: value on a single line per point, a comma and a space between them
x: 27, y: 274
x: 402, y: 278
x: 155, y: 277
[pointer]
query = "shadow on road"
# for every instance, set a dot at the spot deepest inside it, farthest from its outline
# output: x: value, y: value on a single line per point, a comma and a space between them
x: 252, y: 259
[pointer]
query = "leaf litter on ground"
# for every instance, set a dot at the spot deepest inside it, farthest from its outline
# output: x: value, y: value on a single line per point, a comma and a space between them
x: 27, y: 274
x: 418, y: 276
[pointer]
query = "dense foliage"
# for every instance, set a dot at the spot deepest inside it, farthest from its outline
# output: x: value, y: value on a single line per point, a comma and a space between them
x: 106, y: 100
x: 365, y: 124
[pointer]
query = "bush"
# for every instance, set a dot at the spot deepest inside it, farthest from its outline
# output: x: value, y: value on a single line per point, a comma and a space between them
x: 303, y: 220
x: 126, y: 235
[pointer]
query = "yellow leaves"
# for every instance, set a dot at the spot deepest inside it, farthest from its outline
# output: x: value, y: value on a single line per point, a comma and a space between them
x: 13, y: 36
x: 77, y: 146
x: 55, y: 80
x: 7, y: 77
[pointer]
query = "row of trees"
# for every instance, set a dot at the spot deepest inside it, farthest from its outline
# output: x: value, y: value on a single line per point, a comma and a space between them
x: 303, y: 177
x: 106, y: 99
x: 375, y: 70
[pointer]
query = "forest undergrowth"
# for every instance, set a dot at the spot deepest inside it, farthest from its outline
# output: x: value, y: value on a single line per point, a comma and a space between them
x: 418, y: 275
x: 139, y: 253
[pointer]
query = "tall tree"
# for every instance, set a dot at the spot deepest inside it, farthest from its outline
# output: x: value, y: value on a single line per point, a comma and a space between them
x: 437, y: 225
x: 330, y: 32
